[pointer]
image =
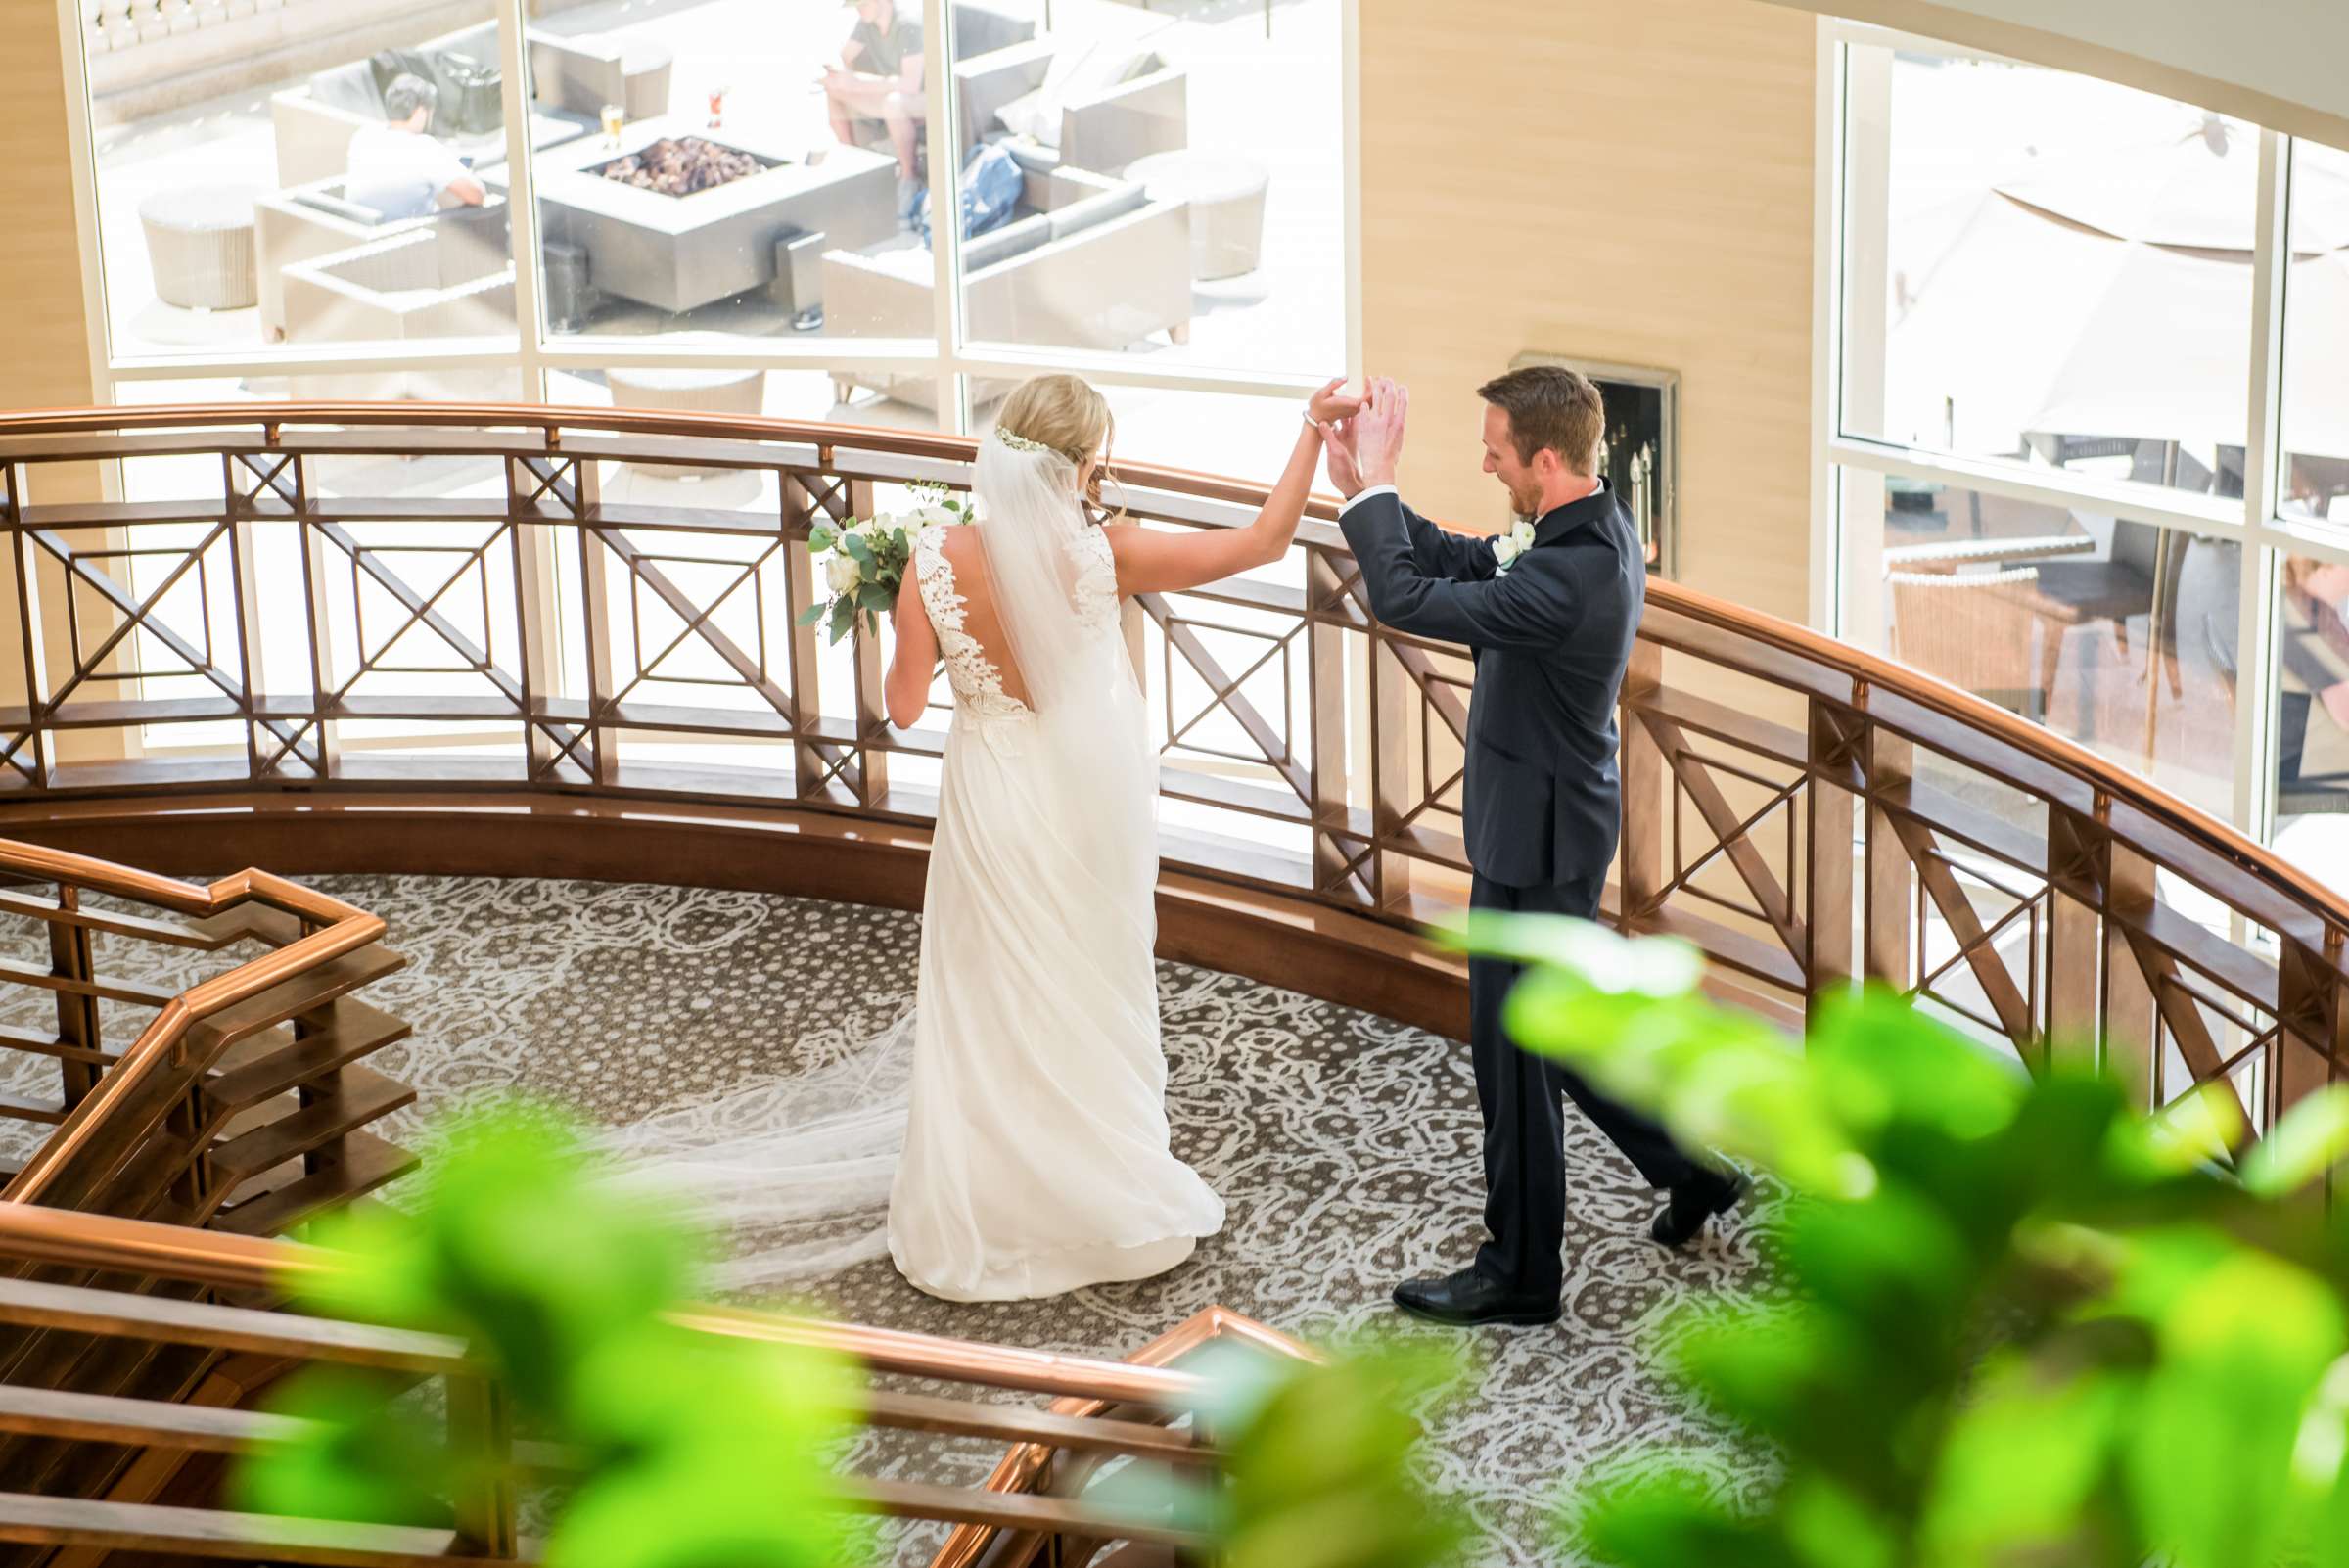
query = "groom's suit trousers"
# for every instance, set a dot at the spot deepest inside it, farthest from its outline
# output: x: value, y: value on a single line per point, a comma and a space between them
x: 1522, y: 1096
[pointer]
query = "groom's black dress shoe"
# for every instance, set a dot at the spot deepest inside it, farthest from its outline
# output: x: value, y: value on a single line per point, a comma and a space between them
x: 1467, y: 1300
x: 1695, y: 1202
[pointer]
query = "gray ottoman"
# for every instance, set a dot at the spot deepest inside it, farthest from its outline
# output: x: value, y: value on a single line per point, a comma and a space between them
x: 701, y: 391
x: 199, y: 245
x: 1226, y: 193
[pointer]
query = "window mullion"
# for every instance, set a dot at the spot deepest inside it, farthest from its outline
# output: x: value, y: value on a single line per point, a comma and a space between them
x: 946, y: 207
x: 2256, y: 665
x: 522, y: 203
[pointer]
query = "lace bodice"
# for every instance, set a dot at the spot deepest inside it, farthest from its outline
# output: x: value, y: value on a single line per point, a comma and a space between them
x: 977, y: 684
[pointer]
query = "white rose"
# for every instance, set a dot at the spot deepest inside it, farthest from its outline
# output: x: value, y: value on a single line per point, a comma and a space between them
x: 930, y: 515
x: 1523, y: 534
x: 1505, y: 548
x: 841, y: 573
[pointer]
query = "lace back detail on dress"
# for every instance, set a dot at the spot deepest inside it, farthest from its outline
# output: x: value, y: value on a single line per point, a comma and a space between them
x: 1096, y: 581
x: 977, y: 684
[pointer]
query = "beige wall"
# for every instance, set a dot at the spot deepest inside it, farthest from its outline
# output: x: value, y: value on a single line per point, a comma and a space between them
x: 48, y: 344
x: 1609, y: 180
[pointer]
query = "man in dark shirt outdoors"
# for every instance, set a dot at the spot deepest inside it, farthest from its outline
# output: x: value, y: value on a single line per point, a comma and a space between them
x: 880, y: 77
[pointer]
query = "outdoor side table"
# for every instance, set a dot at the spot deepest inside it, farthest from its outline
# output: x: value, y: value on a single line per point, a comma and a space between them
x: 200, y: 246
x: 644, y: 68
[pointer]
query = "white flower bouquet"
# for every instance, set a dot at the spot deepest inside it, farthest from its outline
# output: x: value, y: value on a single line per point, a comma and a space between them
x: 864, y: 560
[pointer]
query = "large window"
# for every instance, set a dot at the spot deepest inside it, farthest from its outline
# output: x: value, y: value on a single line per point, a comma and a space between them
x: 882, y: 212
x: 766, y: 177
x: 2071, y: 464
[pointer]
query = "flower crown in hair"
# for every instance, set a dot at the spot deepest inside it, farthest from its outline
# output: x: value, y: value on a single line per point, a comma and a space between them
x: 1018, y: 442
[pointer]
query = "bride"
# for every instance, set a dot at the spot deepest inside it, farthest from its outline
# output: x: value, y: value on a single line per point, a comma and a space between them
x: 1023, y: 1145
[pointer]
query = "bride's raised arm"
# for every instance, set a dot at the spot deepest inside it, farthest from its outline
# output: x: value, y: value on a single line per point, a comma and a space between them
x: 1154, y: 561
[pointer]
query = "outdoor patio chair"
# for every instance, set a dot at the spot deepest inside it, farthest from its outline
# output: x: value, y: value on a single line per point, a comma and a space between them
x: 1087, y: 263
x: 572, y: 80
x: 392, y: 289
x: 1098, y: 105
x: 310, y: 221
x: 1966, y: 629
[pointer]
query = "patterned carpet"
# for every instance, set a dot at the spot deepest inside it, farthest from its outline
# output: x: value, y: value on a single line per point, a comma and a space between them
x: 1346, y: 1145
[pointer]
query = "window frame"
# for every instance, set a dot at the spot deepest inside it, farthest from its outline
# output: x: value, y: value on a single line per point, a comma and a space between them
x: 537, y: 353
x: 2256, y: 522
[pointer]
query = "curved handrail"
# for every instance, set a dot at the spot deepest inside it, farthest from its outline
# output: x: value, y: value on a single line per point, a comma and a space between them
x: 342, y: 928
x: 111, y: 1245
x: 1869, y: 672
x: 1868, y: 721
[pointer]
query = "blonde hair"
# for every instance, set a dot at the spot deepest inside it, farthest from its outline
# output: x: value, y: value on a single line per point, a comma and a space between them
x: 1066, y: 414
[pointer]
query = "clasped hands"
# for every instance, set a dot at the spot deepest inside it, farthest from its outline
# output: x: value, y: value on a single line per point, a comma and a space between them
x: 1361, y: 437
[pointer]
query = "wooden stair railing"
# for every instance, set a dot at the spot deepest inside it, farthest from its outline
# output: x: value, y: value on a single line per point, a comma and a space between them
x: 240, y: 1104
x: 203, y: 1116
x: 158, y: 1502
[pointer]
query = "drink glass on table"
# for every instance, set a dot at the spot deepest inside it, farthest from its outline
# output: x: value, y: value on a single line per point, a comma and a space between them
x: 717, y: 107
x: 614, y: 118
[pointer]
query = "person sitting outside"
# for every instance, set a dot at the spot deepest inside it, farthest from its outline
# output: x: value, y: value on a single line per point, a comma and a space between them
x: 880, y: 77
x: 397, y: 169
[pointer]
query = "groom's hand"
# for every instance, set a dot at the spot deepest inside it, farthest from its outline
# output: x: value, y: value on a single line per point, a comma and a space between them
x: 1377, y: 430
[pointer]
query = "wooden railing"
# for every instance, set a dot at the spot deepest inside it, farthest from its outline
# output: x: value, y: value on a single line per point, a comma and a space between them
x: 1808, y: 814
x: 1028, y: 1508
x: 141, y: 1127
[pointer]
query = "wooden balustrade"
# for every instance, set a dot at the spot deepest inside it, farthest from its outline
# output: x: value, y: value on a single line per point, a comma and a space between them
x: 1808, y: 814
x: 160, y: 1501
x: 221, y: 1109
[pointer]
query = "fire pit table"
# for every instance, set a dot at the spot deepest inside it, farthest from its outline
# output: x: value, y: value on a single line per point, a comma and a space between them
x: 676, y: 217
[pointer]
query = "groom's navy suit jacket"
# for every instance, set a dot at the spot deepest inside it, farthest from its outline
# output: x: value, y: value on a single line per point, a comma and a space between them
x: 1543, y: 799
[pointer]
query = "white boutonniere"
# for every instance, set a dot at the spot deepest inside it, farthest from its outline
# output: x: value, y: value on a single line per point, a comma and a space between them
x: 1507, y: 548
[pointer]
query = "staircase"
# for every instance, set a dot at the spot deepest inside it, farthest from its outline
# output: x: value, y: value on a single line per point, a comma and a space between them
x: 244, y: 1106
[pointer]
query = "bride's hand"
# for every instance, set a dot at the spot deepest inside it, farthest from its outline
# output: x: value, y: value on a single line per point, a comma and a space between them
x: 1331, y: 404
x: 1337, y: 450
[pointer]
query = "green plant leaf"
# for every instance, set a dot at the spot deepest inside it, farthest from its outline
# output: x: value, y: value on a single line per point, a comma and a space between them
x: 2244, y: 1343
x: 843, y: 615
x: 361, y: 1453
x: 812, y: 615
x: 857, y: 550
x: 1645, y: 1514
x: 2020, y: 1464
x: 2197, y: 1129
x: 2307, y: 1140
x: 1882, y: 1065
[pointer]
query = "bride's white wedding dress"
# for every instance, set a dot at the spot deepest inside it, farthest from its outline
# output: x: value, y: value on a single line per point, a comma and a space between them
x: 1022, y: 1143
x: 1036, y: 1159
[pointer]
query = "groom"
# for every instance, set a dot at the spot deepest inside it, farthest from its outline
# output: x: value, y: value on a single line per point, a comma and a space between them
x: 1551, y: 628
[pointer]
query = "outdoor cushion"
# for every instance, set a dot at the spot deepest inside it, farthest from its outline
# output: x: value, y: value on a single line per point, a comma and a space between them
x: 1080, y: 71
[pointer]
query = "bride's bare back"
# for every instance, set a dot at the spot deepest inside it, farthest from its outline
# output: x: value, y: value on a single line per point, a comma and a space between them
x: 1148, y: 560
x: 966, y: 556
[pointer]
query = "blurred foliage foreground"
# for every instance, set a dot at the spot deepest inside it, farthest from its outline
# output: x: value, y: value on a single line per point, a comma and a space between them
x: 2024, y: 1325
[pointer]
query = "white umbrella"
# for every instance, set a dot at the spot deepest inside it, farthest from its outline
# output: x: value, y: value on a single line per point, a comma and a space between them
x: 1987, y: 327
x: 2198, y: 192
x: 2165, y: 355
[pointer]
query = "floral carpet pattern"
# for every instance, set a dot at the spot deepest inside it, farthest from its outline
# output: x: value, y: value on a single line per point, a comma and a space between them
x: 1344, y: 1144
